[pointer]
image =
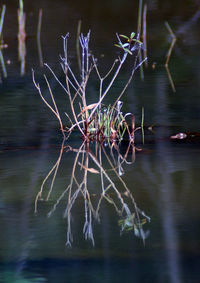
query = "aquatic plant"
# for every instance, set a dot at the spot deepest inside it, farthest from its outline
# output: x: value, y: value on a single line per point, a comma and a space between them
x: 94, y: 121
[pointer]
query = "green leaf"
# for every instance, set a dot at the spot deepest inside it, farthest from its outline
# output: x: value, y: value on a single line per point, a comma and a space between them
x: 138, y: 41
x: 129, y: 228
x: 120, y: 46
x: 125, y: 45
x: 127, y: 50
x: 132, y: 35
x: 124, y: 36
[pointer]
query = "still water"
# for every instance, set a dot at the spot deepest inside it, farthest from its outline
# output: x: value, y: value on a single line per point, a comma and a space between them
x: 147, y: 227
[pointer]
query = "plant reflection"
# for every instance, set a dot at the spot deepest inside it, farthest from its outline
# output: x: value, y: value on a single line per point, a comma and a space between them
x: 131, y: 223
x: 86, y: 162
x: 173, y: 42
x: 3, y: 64
x: 9, y: 276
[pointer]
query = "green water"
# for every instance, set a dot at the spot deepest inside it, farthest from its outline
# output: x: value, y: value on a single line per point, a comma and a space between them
x: 163, y: 177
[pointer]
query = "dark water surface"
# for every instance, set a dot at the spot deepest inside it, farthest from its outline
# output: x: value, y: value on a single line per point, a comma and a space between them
x: 163, y: 178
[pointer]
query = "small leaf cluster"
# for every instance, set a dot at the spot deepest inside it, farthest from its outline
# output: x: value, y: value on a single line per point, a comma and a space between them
x: 129, y: 41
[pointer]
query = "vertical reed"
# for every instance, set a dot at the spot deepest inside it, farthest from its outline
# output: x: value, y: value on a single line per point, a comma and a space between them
x: 139, y: 28
x: 21, y: 37
x: 2, y: 20
x: 39, y: 37
x: 144, y: 34
x: 78, y: 45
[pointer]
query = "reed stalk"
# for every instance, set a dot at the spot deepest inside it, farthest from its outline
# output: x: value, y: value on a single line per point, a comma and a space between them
x: 139, y: 28
x: 39, y: 37
x: 3, y: 64
x: 171, y: 47
x: 21, y: 37
x: 173, y: 42
x: 144, y: 34
x: 2, y: 20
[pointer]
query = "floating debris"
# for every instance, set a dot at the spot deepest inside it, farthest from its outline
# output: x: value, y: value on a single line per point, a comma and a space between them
x: 179, y: 136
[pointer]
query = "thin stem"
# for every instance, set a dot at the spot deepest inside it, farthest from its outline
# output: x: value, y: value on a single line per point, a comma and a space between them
x: 142, y: 125
x: 172, y: 43
x: 2, y: 19
x: 144, y: 34
x: 110, y: 84
x: 38, y: 37
x: 77, y: 43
